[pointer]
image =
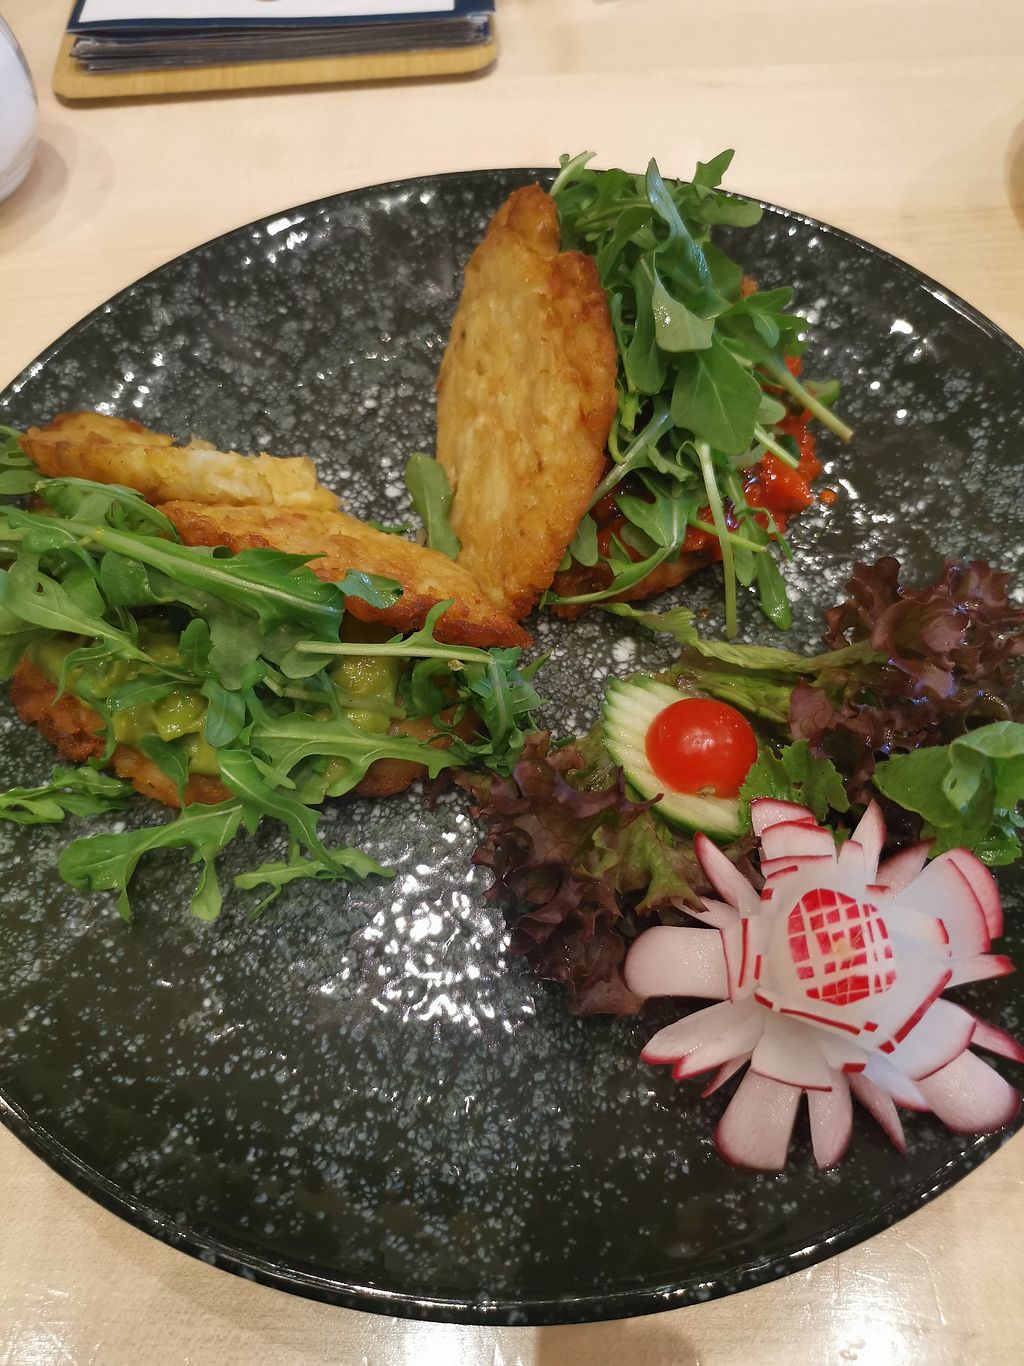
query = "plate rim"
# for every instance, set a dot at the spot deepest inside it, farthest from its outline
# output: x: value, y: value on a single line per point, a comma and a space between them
x: 933, y: 286
x: 182, y: 1235
x: 189, y: 1236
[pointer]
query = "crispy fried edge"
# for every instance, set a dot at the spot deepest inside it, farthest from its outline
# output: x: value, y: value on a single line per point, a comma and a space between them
x: 580, y: 308
x: 112, y: 450
x: 76, y: 732
x: 462, y: 624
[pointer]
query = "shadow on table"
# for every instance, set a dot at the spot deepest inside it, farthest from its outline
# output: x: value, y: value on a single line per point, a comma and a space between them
x: 655, y: 1340
x: 36, y: 199
x: 1015, y: 172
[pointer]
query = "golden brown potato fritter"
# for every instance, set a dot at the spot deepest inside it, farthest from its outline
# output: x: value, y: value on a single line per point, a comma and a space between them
x: 526, y: 397
x: 77, y: 733
x: 111, y: 450
x: 342, y: 543
x: 579, y: 579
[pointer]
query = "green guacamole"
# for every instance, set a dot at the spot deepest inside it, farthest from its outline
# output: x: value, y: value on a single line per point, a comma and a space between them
x: 367, y: 681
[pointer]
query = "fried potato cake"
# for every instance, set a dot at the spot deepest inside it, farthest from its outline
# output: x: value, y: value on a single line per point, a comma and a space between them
x: 525, y: 400
x: 111, y: 450
x: 76, y: 732
x: 342, y: 543
x: 579, y: 579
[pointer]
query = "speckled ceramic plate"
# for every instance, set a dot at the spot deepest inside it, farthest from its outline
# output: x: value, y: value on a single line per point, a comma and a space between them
x: 359, y: 1096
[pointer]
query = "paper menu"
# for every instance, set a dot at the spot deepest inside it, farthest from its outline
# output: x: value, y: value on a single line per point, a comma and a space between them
x: 230, y: 12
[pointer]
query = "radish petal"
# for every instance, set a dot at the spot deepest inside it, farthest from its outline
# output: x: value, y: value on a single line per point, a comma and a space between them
x: 943, y: 891
x: 831, y: 1116
x: 920, y: 981
x: 888, y: 1078
x: 852, y: 863
x: 790, y: 1053
x: 767, y: 811
x: 717, y: 913
x: 795, y: 863
x: 983, y: 884
x: 724, y: 876
x: 900, y: 870
x: 671, y: 960
x: 996, y: 1040
x: 703, y: 1026
x: 843, y: 1054
x: 969, y: 1096
x: 940, y: 1036
x: 880, y: 1107
x: 795, y: 839
x: 870, y: 835
x: 735, y: 1042
x: 980, y: 968
x: 758, y: 1123
x: 923, y: 930
x: 723, y: 1074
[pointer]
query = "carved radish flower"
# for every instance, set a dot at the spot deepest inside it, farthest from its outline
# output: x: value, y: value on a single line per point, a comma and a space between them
x: 829, y: 983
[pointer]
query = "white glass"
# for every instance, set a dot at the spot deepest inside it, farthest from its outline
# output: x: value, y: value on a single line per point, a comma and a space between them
x: 19, y: 119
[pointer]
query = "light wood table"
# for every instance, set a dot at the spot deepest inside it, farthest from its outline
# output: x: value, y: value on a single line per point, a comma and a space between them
x: 902, y: 123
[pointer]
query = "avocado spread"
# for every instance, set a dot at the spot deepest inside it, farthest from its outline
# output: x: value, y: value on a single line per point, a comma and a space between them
x: 368, y: 682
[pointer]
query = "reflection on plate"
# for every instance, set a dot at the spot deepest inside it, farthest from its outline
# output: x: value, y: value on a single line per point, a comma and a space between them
x: 358, y: 1096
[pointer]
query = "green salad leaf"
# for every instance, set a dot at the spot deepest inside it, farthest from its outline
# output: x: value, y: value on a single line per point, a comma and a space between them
x: 924, y: 675
x: 17, y: 473
x: 968, y: 791
x: 431, y: 495
x: 239, y: 659
x: 794, y: 774
x: 107, y: 862
x: 70, y: 792
x: 704, y: 376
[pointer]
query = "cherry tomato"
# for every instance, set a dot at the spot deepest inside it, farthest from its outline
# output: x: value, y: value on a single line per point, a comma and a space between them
x: 697, y: 745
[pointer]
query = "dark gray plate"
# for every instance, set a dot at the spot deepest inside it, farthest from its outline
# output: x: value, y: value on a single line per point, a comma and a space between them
x: 359, y: 1097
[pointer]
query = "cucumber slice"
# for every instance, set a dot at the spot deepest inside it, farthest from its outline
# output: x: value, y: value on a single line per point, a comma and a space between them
x: 627, y: 713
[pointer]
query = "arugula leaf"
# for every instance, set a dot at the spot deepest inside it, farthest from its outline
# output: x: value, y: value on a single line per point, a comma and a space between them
x: 680, y: 252
x: 501, y: 693
x: 625, y: 573
x: 701, y: 364
x: 583, y: 547
x: 716, y: 398
x: 109, y: 504
x: 431, y: 495
x: 104, y: 863
x: 276, y: 587
x: 968, y: 791
x: 17, y: 473
x: 70, y: 792
x: 248, y: 642
x: 38, y: 600
x: 643, y: 361
x: 675, y: 327
x: 772, y: 593
x: 170, y: 759
x: 348, y: 865
x: 239, y: 772
x: 664, y: 520
x: 225, y: 716
x: 794, y: 774
x: 373, y: 589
